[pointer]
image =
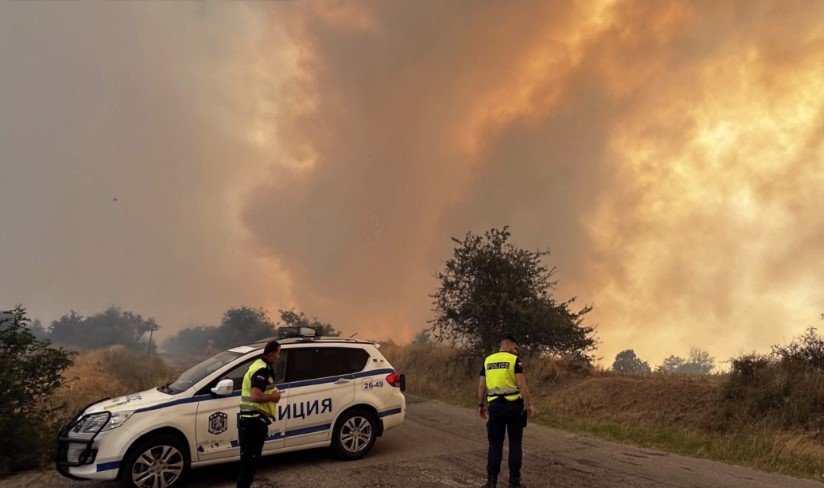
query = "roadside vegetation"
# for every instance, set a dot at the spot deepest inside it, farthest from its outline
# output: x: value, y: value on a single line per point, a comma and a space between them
x: 766, y: 413
x: 30, y: 371
x: 43, y: 386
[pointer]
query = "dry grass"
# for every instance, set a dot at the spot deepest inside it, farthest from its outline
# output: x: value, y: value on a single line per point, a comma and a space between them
x: 678, y: 400
x: 110, y: 372
x: 691, y: 415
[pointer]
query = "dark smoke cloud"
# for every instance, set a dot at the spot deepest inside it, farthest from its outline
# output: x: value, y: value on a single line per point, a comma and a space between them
x: 321, y: 155
x: 637, y: 140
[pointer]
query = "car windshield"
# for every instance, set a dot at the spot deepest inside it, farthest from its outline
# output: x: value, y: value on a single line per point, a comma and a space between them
x: 200, y: 371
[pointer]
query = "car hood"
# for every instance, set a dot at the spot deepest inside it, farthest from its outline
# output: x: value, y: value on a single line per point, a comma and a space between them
x: 130, y: 402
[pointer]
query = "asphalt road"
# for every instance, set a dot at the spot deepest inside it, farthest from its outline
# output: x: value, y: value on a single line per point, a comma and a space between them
x: 441, y: 445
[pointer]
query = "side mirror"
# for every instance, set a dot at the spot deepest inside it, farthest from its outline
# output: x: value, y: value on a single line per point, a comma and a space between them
x: 224, y: 387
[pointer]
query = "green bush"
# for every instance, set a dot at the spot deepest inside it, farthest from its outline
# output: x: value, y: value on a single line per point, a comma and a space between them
x: 784, y: 389
x: 30, y: 372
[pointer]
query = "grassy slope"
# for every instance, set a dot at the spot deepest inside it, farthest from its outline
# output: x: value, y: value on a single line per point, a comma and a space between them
x: 682, y: 414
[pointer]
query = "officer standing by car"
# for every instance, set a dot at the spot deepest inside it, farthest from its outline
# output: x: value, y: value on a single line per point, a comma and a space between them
x: 257, y: 410
x: 503, y: 388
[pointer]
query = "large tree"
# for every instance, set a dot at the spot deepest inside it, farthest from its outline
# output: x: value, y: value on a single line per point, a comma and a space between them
x: 242, y: 326
x: 490, y: 288
x: 30, y: 371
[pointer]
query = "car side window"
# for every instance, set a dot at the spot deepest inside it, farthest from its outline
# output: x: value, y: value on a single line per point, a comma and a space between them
x: 280, y: 370
x: 318, y: 362
x: 237, y: 373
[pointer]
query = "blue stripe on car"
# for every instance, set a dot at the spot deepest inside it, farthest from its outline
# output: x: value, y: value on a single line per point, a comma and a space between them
x: 283, y: 386
x: 292, y: 433
x: 108, y: 466
x: 389, y: 412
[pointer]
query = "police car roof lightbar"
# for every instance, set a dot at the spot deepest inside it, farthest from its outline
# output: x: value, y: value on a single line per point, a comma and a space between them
x: 287, y: 332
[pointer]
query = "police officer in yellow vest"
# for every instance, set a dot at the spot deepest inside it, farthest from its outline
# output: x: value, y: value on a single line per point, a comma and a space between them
x: 257, y: 410
x: 502, y: 391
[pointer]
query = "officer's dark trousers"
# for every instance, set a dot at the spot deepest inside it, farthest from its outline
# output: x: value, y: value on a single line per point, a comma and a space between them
x: 505, y: 417
x: 251, y: 435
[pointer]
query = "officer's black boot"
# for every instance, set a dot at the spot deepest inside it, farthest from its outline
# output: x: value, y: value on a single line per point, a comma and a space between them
x: 491, y: 482
x: 514, y: 482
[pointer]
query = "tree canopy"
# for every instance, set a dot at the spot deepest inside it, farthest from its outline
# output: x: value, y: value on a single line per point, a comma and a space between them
x: 698, y: 362
x: 490, y: 288
x: 237, y: 327
x: 290, y: 318
x: 422, y: 338
x: 241, y: 326
x: 628, y: 362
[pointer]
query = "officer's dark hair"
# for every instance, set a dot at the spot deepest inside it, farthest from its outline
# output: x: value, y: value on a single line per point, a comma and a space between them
x: 271, y: 346
x: 509, y: 338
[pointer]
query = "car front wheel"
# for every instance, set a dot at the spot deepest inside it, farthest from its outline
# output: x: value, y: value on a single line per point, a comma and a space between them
x: 159, y: 462
x: 354, y: 434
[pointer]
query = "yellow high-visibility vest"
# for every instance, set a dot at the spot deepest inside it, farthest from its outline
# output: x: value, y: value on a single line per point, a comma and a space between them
x: 247, y: 406
x: 499, y: 370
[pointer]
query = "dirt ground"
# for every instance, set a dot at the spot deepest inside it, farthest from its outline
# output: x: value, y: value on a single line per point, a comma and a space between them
x: 441, y: 445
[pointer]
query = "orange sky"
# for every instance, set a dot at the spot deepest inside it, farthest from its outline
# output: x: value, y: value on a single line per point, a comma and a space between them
x: 320, y: 155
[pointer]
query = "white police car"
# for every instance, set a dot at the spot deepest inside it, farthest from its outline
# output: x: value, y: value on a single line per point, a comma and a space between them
x: 336, y: 392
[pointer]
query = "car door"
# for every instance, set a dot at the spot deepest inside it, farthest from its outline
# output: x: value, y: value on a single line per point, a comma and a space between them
x: 217, y: 417
x: 320, y: 384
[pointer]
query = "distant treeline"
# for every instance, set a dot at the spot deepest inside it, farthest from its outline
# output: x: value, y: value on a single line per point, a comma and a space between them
x: 240, y: 326
x: 112, y: 326
x: 115, y: 326
x: 698, y: 362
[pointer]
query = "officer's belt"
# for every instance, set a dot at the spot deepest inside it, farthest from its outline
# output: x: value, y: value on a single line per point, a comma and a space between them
x: 259, y: 416
x: 503, y: 391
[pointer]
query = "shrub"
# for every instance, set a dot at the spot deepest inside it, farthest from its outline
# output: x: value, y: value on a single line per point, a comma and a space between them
x: 806, y: 351
x: 30, y: 372
x: 784, y: 389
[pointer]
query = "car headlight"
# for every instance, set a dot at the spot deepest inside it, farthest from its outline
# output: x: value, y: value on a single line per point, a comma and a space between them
x: 117, y: 420
x: 91, y: 425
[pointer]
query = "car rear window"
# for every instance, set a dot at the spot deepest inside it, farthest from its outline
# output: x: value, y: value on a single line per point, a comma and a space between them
x: 318, y: 362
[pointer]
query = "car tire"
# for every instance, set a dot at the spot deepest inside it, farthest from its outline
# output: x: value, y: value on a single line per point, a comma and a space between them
x: 354, y: 434
x: 160, y: 461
